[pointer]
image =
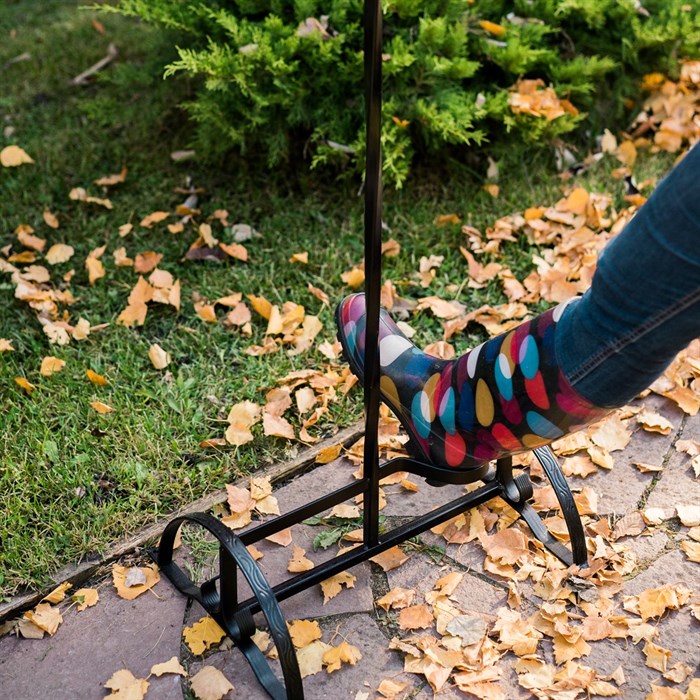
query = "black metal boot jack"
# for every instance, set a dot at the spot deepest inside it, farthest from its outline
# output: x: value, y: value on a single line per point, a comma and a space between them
x: 219, y: 595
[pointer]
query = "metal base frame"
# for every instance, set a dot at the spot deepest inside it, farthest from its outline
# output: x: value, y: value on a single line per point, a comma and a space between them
x: 219, y: 595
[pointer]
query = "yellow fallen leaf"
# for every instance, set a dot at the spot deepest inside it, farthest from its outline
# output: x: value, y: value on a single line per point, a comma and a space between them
x: 173, y: 665
x: 26, y: 385
x: 354, y: 278
x: 85, y: 598
x: 260, y: 305
x: 51, y: 365
x: 235, y: 250
x: 114, y: 179
x: 310, y: 658
x: 146, y: 262
x: 492, y: 189
x: 282, y: 538
x: 45, y: 617
x: 304, y: 632
x: 397, y: 598
x: 154, y: 218
x: 124, y: 684
x: 298, y: 561
x: 125, y: 230
x: 277, y: 426
x: 95, y: 269
x: 59, y: 253
x: 24, y: 234
x: 333, y: 585
x: 654, y: 422
x: 300, y: 258
x: 656, y: 657
x: 50, y: 219
x: 241, y: 418
x: 6, y: 345
x: 95, y: 378
x: 158, y: 357
x: 328, y: 454
x: 202, y: 635
x: 122, y: 576
x: 12, y: 156
x: 343, y: 653
x: 58, y: 593
x: 100, y: 407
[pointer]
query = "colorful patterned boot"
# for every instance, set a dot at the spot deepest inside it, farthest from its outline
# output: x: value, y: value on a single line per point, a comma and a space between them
x: 506, y: 396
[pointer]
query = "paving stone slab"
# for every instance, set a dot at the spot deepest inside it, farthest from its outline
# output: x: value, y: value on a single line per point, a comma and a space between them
x: 377, y: 663
x: 91, y: 645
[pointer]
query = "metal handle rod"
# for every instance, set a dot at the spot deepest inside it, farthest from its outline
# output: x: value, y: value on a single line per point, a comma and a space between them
x: 373, y: 261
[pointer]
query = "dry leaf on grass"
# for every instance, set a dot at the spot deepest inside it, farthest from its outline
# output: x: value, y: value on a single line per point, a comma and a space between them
x: 125, y: 686
x: 131, y: 582
x: 159, y: 358
x: 100, y: 407
x: 59, y: 253
x: 202, y: 635
x: 51, y: 365
x: 96, y: 379
x: 210, y: 684
x: 25, y: 384
x: 241, y: 418
x: 173, y: 665
x: 12, y: 156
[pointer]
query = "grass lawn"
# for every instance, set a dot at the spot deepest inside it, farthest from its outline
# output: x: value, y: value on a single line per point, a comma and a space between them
x: 72, y: 480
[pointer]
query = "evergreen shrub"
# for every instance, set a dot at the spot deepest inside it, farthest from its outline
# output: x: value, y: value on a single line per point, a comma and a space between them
x: 283, y: 78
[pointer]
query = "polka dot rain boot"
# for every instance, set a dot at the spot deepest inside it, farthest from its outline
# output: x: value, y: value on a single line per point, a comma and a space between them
x: 505, y: 396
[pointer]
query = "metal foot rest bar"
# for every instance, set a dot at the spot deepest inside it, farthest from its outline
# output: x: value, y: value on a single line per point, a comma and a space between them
x: 219, y: 595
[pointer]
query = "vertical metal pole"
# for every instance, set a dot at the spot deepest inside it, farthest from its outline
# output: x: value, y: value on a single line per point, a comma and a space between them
x: 373, y: 261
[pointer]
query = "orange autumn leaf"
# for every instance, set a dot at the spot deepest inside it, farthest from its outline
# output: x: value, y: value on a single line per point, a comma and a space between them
x: 45, y: 617
x: 100, y: 407
x: 59, y: 253
x: 328, y: 454
x: 492, y: 28
x: 6, y: 345
x: 210, y: 684
x: 131, y: 582
x: 391, y: 559
x: 85, y: 598
x: 95, y: 378
x: 50, y: 219
x: 158, y: 357
x: 114, y: 179
x: 154, y: 218
x: 145, y: 262
x: 51, y: 365
x: 415, y: 617
x: 333, y: 585
x: 260, y: 305
x: 303, y: 632
x: 343, y: 653
x: 25, y: 384
x: 298, y: 561
x: 235, y: 250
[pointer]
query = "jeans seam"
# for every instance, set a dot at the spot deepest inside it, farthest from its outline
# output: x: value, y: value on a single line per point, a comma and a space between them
x: 633, y: 336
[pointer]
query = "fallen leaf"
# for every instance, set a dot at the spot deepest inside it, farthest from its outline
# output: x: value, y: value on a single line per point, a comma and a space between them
x: 241, y: 418
x: 333, y: 585
x: 45, y: 617
x: 29, y: 630
x: 6, y: 345
x: 210, y: 684
x: 59, y: 253
x: 391, y: 559
x: 298, y: 561
x: 58, y: 593
x: 656, y: 657
x: 158, y: 357
x: 390, y: 689
x: 25, y: 384
x: 469, y: 628
x: 114, y: 179
x: 235, y: 250
x: 154, y: 218
x: 689, y: 515
x: 343, y: 653
x: 310, y: 658
x: 12, y: 156
x: 146, y: 262
x: 654, y: 602
x: 173, y: 665
x: 282, y: 538
x: 300, y: 258
x: 277, y: 426
x: 95, y: 378
x: 611, y: 435
x: 415, y: 617
x: 304, y: 632
x: 654, y: 422
x: 202, y: 635
x: 492, y: 28
x: 119, y: 577
x: 125, y: 686
x: 100, y: 407
x: 328, y: 454
x: 50, y: 219
x: 85, y: 598
x: 397, y: 598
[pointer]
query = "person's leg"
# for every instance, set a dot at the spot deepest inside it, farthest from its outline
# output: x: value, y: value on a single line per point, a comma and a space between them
x: 644, y: 302
x: 565, y: 368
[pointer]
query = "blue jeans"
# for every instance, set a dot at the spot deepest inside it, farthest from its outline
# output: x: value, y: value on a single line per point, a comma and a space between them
x: 643, y: 306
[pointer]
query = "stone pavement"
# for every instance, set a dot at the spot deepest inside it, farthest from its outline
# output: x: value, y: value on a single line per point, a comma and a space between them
x: 115, y: 634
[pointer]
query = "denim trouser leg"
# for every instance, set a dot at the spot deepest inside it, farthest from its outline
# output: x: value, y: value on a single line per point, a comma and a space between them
x: 644, y: 303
